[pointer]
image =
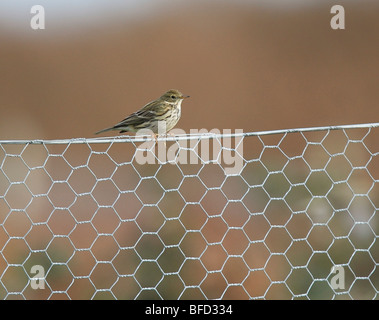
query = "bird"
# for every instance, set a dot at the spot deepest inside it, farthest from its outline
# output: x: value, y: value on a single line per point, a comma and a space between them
x: 166, y: 108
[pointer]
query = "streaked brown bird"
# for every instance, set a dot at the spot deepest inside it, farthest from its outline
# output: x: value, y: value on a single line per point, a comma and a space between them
x: 166, y: 108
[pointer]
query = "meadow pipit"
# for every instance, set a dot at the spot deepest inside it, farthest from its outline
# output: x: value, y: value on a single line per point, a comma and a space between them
x: 166, y: 108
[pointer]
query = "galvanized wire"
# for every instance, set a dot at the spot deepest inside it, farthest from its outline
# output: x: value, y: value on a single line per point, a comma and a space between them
x: 101, y: 225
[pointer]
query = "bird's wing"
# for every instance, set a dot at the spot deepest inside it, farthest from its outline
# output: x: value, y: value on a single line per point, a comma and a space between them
x: 150, y: 112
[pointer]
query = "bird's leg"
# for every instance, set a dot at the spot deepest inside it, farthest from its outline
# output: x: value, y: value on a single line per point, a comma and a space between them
x: 155, y: 137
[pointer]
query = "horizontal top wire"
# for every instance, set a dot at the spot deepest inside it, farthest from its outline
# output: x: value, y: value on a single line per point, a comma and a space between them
x: 209, y: 135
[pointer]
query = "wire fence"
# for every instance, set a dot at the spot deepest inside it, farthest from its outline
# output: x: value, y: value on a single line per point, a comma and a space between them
x: 282, y: 214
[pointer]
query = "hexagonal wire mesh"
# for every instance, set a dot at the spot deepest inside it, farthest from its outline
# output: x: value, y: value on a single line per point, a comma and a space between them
x: 103, y: 226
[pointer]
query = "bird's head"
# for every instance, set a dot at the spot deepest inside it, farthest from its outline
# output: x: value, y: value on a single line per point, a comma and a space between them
x: 173, y: 96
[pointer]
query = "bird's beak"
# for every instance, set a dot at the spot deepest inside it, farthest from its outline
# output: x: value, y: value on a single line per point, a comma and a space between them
x: 185, y: 97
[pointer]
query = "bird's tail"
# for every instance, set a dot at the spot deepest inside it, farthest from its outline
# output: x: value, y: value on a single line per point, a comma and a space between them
x: 105, y: 130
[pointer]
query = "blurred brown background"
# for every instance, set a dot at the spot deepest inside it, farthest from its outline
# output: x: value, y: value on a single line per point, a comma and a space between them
x: 106, y: 227
x: 245, y: 65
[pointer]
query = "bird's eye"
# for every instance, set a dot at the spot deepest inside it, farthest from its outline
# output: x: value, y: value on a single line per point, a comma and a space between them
x: 173, y: 97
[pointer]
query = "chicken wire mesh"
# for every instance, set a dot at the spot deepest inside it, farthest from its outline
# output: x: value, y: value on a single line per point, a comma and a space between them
x: 102, y: 226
